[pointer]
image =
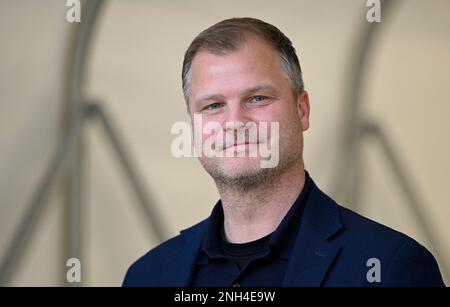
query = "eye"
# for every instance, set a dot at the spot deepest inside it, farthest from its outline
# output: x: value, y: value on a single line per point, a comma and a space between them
x: 213, y: 106
x: 258, y: 98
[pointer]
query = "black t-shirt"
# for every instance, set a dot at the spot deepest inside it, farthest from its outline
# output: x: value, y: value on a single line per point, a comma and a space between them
x: 243, y: 253
x: 260, y: 263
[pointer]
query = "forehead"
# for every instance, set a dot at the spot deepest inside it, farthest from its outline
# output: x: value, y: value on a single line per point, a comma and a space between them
x: 254, y: 62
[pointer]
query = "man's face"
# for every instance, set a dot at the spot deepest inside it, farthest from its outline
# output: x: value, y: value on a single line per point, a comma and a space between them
x: 247, y: 85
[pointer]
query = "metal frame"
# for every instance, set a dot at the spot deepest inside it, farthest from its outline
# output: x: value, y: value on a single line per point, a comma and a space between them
x: 71, y: 149
x: 348, y: 177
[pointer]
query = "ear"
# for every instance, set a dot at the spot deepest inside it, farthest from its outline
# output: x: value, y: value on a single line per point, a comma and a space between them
x: 303, y: 109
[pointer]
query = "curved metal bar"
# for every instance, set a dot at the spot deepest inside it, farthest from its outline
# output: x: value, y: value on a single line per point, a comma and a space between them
x: 78, y: 106
x: 66, y: 148
x: 79, y: 57
x: 376, y: 133
x: 352, y: 117
x: 77, y: 76
x: 150, y: 213
x: 71, y: 146
x: 357, y: 127
x: 23, y: 233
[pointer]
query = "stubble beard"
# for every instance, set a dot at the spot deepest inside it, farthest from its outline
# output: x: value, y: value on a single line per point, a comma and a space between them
x: 254, y: 176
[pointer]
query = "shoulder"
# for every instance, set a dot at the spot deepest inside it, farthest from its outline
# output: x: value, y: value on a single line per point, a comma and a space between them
x: 363, y: 242
x: 147, y: 270
x: 404, y: 261
x: 360, y: 227
x: 348, y: 226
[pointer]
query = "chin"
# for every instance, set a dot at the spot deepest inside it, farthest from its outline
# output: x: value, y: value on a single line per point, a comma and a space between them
x: 240, y: 165
x: 239, y: 170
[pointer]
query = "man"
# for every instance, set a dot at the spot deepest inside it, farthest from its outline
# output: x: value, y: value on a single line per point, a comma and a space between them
x: 272, y: 225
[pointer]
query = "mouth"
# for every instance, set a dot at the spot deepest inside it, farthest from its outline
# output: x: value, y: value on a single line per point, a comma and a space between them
x: 242, y: 145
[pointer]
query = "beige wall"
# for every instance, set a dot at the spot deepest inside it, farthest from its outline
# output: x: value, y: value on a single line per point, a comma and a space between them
x: 135, y: 71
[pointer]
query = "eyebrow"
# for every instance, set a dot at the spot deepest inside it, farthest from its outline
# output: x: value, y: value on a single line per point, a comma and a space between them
x: 246, y: 92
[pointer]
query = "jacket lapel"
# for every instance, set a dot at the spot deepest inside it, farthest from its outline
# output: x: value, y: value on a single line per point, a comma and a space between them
x: 314, y: 251
x: 311, y: 258
x: 180, y: 265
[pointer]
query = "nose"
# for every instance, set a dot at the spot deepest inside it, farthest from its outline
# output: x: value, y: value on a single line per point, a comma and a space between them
x: 236, y: 116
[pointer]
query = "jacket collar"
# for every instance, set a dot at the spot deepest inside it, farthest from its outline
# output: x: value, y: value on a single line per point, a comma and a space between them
x: 311, y: 258
x: 314, y: 249
x: 180, y: 265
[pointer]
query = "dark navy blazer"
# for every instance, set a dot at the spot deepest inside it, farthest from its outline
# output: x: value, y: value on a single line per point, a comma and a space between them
x: 333, y: 248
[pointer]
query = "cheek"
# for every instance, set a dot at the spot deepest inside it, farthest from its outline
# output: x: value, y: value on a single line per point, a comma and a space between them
x: 290, y: 128
x: 211, y: 132
x: 286, y: 116
x: 270, y: 113
x: 273, y: 114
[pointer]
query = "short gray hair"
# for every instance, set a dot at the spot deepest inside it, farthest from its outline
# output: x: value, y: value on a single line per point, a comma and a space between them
x: 228, y: 35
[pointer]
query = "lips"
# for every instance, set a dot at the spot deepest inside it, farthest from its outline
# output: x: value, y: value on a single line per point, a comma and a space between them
x: 244, y: 143
x: 238, y: 144
x: 230, y: 140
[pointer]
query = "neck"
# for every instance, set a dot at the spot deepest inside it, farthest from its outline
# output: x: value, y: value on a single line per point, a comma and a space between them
x: 253, y: 214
